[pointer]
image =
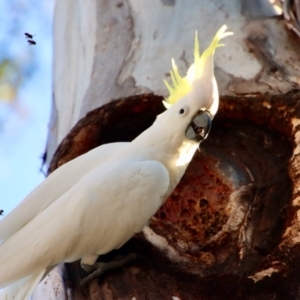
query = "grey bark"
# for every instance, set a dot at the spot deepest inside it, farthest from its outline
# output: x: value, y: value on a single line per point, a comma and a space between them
x: 106, y: 50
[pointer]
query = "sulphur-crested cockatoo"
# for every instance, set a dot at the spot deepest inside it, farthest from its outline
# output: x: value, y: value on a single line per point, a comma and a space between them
x: 98, y: 201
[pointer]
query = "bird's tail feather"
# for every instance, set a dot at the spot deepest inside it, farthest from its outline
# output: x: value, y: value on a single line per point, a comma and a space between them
x: 23, y: 288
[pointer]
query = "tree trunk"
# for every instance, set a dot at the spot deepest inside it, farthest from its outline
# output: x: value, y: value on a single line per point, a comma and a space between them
x: 232, y: 234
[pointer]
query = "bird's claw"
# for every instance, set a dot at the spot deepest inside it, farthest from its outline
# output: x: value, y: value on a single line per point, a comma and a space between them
x: 99, y: 268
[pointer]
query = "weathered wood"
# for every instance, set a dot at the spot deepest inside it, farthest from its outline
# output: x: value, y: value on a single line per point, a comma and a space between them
x: 230, y: 228
x: 120, y: 120
x: 108, y: 50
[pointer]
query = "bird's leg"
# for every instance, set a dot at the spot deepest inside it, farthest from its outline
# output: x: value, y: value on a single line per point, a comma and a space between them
x: 99, y: 268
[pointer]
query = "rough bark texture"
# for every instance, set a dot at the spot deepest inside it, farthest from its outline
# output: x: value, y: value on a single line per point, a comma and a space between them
x: 120, y: 120
x: 230, y: 228
x: 106, y: 50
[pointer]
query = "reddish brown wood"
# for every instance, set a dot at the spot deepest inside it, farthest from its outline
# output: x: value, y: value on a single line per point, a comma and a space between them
x: 246, y: 250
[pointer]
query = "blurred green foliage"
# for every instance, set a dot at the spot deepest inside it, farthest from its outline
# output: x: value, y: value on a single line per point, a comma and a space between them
x: 10, y: 80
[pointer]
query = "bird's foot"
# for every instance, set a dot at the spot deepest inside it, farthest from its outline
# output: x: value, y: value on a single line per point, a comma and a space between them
x: 99, y: 268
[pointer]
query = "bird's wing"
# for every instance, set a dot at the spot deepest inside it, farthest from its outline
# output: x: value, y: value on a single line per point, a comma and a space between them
x: 23, y: 288
x: 55, y: 185
x: 100, y: 213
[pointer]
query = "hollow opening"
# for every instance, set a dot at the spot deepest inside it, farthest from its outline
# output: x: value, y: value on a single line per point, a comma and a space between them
x: 230, y: 209
x: 232, y: 200
x: 242, y: 173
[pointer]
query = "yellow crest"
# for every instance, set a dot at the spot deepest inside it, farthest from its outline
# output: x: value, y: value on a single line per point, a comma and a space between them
x: 183, y: 85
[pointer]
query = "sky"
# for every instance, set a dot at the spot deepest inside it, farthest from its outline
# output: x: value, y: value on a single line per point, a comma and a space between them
x: 25, y: 108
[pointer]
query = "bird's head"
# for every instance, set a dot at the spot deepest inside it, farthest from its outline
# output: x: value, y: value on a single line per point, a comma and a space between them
x: 194, y: 99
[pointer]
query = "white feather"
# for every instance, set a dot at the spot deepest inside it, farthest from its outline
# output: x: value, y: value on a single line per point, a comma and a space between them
x: 78, y: 223
x: 62, y: 179
x: 21, y: 289
x: 98, y: 201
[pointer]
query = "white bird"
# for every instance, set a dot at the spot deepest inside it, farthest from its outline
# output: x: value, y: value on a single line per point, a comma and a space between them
x: 98, y: 201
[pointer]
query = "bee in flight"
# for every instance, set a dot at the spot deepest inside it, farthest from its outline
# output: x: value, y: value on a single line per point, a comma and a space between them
x: 28, y: 35
x: 29, y: 38
x: 30, y: 42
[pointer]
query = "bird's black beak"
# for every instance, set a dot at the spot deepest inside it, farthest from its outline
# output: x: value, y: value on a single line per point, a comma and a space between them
x: 199, y: 127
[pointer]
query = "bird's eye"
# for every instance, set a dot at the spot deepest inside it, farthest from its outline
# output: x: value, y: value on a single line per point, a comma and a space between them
x: 183, y: 111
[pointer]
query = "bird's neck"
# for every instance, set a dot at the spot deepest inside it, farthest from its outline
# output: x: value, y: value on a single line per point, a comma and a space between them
x: 174, y: 153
